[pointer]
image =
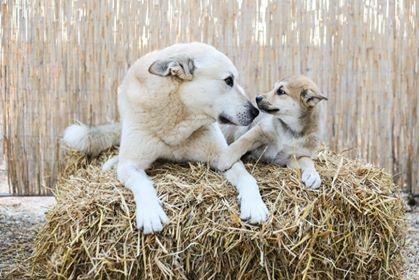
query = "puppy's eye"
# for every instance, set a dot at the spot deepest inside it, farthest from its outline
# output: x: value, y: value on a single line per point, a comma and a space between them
x: 229, y: 81
x: 280, y: 91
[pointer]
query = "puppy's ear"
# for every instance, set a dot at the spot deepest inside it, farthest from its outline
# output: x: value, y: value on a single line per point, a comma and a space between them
x: 310, y: 98
x: 181, y: 67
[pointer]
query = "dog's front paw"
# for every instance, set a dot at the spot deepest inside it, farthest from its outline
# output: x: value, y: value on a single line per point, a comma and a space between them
x: 150, y: 217
x: 252, y: 208
x: 311, y: 179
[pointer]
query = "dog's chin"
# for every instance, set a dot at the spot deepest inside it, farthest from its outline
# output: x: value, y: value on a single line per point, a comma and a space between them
x: 224, y: 119
x: 245, y: 122
x: 240, y: 121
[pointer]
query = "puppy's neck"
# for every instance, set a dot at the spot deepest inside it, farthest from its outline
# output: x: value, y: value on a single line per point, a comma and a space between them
x: 306, y: 123
x: 292, y: 125
x: 310, y: 121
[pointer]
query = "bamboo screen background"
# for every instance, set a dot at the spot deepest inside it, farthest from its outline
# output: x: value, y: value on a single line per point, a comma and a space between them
x: 62, y: 61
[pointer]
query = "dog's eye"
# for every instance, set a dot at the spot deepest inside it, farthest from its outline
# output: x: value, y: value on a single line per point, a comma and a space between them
x: 229, y: 81
x: 280, y: 91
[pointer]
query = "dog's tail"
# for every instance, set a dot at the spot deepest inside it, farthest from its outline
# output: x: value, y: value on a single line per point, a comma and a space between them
x: 91, y: 140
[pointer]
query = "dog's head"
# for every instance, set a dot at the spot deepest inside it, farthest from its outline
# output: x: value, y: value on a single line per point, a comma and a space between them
x: 290, y: 97
x: 207, y: 83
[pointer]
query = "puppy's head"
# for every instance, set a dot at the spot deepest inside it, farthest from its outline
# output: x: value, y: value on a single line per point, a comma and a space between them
x: 207, y: 83
x: 292, y: 97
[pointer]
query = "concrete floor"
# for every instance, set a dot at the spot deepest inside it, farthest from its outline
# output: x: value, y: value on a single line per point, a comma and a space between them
x: 4, y: 187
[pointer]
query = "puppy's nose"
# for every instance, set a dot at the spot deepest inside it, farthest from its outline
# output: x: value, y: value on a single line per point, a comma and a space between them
x: 254, y: 112
x: 259, y: 98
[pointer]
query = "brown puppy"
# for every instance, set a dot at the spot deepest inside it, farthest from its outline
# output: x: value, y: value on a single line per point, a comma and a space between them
x: 287, y: 132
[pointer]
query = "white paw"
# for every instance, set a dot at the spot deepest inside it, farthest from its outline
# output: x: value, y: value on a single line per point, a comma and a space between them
x: 149, y: 213
x: 224, y: 163
x: 311, y: 179
x: 150, y: 216
x: 252, y: 208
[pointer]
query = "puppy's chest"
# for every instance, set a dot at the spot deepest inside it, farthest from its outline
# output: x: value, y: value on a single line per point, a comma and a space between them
x: 279, y: 149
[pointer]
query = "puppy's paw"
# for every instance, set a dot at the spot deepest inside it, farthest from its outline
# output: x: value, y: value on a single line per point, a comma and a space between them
x: 150, y: 216
x: 225, y: 162
x: 252, y: 208
x: 311, y: 179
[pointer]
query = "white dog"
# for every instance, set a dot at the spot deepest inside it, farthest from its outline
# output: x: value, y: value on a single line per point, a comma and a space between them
x: 169, y: 102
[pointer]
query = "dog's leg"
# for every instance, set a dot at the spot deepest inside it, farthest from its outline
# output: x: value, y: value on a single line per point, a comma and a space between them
x: 207, y: 145
x: 249, y: 141
x: 310, y: 177
x: 252, y: 207
x: 134, y: 158
x: 149, y: 213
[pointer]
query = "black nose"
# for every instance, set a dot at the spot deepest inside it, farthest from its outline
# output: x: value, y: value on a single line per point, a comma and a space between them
x: 259, y: 98
x: 254, y: 112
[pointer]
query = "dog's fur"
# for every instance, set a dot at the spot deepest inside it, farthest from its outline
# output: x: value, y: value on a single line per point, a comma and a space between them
x: 287, y: 131
x: 169, y: 102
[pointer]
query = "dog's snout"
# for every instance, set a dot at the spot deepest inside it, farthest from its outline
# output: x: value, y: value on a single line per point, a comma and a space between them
x: 259, y: 98
x: 254, y: 112
x: 245, y: 117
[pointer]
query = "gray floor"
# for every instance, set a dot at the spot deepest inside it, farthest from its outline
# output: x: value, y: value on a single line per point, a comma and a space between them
x: 4, y: 188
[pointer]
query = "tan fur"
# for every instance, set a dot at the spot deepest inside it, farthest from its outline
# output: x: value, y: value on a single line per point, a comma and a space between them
x: 288, y: 132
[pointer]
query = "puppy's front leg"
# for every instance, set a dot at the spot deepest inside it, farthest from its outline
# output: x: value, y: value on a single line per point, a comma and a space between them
x: 247, y: 142
x: 310, y: 177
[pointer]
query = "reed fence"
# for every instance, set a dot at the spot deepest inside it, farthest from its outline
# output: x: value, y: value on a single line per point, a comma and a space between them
x: 62, y: 61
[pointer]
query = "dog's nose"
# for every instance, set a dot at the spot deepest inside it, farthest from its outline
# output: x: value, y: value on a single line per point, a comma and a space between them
x: 259, y: 98
x: 254, y: 112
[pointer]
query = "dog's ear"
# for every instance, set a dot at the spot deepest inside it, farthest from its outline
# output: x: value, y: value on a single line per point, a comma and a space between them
x: 181, y: 67
x: 310, y: 98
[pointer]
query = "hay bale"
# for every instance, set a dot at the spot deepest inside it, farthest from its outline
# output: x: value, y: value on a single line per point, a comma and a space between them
x: 352, y: 228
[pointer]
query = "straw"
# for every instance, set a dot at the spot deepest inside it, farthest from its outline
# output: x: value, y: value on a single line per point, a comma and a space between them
x: 351, y: 228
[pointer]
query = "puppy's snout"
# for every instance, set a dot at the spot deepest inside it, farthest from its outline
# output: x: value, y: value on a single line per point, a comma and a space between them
x: 259, y: 98
x: 254, y: 112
